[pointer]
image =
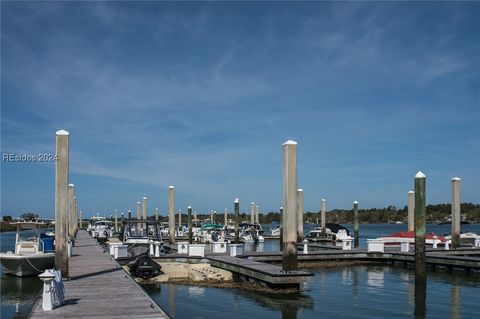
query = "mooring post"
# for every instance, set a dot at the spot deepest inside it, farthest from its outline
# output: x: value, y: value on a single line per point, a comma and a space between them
x: 355, y: 223
x: 289, y: 260
x: 420, y: 258
x: 69, y: 221
x: 129, y: 214
x: 61, y: 201
x: 323, y: 207
x: 299, y: 215
x: 171, y: 214
x: 225, y: 213
x: 144, y: 213
x: 74, y: 218
x: 411, y: 209
x: 211, y: 216
x: 139, y: 210
x: 281, y: 227
x: 80, y: 214
x: 456, y: 212
x: 179, y: 221
x: 156, y: 213
x: 257, y: 214
x: 116, y: 220
x: 190, y: 230
x: 236, y: 208
x: 252, y: 213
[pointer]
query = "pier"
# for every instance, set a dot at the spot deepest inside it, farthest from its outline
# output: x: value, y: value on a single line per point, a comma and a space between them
x: 99, y: 288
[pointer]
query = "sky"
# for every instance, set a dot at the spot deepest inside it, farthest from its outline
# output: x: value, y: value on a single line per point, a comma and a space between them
x: 202, y: 95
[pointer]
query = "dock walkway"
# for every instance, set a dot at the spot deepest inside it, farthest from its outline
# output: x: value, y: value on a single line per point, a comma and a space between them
x: 99, y: 288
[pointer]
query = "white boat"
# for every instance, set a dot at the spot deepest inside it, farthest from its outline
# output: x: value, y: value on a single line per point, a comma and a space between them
x: 252, y: 233
x: 275, y: 229
x: 333, y: 232
x: 32, y: 255
x: 102, y: 229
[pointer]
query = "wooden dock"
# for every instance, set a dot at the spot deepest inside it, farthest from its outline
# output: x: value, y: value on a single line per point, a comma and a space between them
x: 99, y: 288
x: 271, y: 275
x: 465, y: 259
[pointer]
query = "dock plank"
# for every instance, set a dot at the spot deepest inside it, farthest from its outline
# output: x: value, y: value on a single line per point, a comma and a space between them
x: 99, y: 288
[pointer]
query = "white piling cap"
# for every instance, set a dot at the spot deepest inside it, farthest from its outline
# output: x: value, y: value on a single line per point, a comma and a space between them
x: 456, y: 179
x: 144, y: 198
x: 189, y: 207
x: 324, y: 200
x: 355, y: 202
x: 411, y: 192
x: 71, y: 185
x: 281, y: 207
x: 171, y: 186
x: 299, y: 190
x: 252, y: 203
x: 290, y: 142
x: 138, y: 203
x: 257, y: 206
x: 236, y: 200
x: 62, y: 132
x: 420, y: 175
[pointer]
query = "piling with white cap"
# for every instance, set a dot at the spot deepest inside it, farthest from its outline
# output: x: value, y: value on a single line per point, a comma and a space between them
x: 236, y: 208
x: 257, y: 214
x: 299, y: 214
x: 252, y: 213
x: 144, y: 208
x: 171, y: 214
x: 355, y: 224
x: 456, y: 212
x: 323, y: 208
x: 225, y: 213
x: 420, y: 218
x: 61, y: 201
x: 179, y: 221
x: 116, y: 220
x: 190, y: 230
x: 411, y: 209
x: 289, y: 260
x: 71, y: 204
x: 281, y: 228
x: 156, y: 213
x: 139, y: 210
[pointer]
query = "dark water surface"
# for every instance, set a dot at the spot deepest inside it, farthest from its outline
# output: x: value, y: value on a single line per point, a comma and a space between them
x: 344, y: 292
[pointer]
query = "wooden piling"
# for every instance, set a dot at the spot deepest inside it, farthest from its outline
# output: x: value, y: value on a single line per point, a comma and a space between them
x: 411, y: 209
x: 171, y: 214
x: 179, y: 220
x: 289, y: 259
x: 323, y: 207
x: 116, y: 220
x: 420, y: 217
x: 281, y: 227
x: 225, y: 213
x: 236, y: 208
x: 190, y: 230
x: 355, y: 224
x: 456, y: 212
x: 139, y: 210
x: 61, y: 201
x: 257, y: 214
x: 69, y: 222
x: 129, y: 214
x: 156, y: 213
x: 252, y: 213
x: 299, y: 215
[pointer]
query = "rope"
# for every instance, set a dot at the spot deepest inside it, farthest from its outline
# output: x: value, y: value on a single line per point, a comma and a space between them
x: 33, y: 265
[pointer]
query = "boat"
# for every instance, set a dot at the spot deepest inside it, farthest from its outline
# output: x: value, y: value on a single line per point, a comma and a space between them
x: 333, y: 232
x: 467, y: 238
x: 102, y: 230
x: 252, y: 233
x: 275, y: 229
x: 32, y: 255
x: 138, y: 234
x: 397, y: 238
x: 210, y: 233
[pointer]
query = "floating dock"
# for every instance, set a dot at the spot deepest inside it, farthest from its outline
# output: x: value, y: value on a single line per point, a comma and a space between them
x: 99, y: 288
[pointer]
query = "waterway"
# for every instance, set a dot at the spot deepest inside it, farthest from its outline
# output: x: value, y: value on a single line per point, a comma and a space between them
x: 357, y: 291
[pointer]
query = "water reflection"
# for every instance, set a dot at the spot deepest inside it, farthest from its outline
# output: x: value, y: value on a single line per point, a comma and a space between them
x: 18, y: 294
x: 288, y: 305
x: 171, y: 300
x: 456, y: 298
x: 194, y: 291
x: 375, y: 279
x: 420, y: 297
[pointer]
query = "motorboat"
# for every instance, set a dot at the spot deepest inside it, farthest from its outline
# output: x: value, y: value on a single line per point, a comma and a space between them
x: 102, y: 230
x: 32, y: 254
x: 333, y: 232
x: 397, y: 238
x: 210, y: 233
x: 252, y: 233
x: 139, y: 234
x: 467, y: 238
x: 275, y: 229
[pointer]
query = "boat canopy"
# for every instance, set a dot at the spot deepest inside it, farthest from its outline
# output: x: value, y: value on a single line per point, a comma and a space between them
x: 28, y: 225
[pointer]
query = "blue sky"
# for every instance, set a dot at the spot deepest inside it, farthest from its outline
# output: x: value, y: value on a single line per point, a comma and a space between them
x: 202, y: 96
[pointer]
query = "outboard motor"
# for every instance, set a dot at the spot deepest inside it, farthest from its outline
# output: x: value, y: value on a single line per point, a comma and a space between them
x: 214, y: 236
x: 144, y: 267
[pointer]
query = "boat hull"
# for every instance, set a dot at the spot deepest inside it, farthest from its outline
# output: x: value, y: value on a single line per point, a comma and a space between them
x: 26, y: 265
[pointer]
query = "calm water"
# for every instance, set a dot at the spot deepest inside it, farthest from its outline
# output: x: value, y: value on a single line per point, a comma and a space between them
x: 359, y: 292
